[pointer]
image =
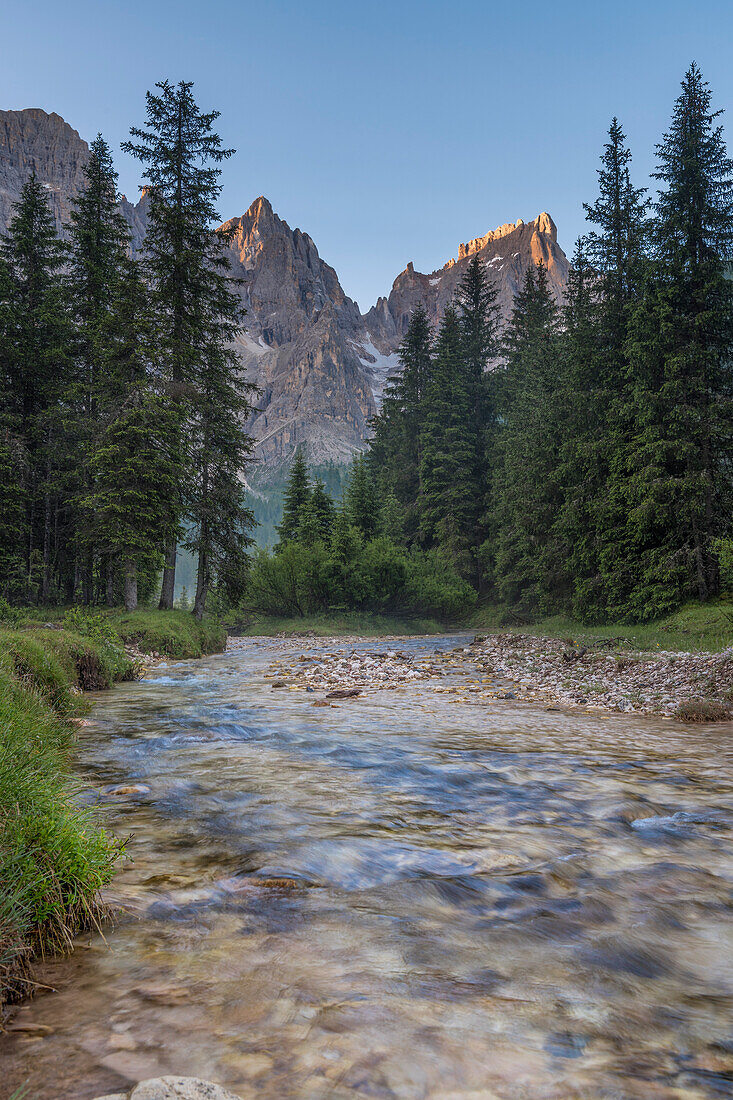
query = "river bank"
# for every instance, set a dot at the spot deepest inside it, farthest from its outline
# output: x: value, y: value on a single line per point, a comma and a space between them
x: 54, y: 856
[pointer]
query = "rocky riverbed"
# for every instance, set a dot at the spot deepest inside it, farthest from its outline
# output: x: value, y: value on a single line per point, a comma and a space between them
x: 689, y: 686
x: 452, y: 884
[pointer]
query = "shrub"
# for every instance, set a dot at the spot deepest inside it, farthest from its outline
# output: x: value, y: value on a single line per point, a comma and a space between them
x: 376, y: 575
x: 702, y: 710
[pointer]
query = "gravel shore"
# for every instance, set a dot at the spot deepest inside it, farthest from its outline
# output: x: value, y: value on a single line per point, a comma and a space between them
x: 549, y: 671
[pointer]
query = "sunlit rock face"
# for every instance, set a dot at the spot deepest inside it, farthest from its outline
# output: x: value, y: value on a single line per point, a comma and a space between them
x: 507, y: 253
x: 320, y: 365
x: 301, y: 344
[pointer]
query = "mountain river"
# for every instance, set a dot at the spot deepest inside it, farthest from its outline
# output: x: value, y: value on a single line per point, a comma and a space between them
x: 396, y: 897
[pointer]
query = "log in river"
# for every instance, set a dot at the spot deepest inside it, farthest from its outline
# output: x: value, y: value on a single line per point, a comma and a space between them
x: 393, y: 895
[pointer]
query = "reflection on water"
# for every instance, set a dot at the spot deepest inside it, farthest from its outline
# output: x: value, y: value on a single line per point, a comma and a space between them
x: 399, y: 897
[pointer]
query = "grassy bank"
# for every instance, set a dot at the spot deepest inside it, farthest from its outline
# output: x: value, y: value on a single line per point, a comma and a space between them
x: 698, y: 627
x: 348, y: 622
x: 54, y: 856
x: 695, y: 627
x: 169, y: 633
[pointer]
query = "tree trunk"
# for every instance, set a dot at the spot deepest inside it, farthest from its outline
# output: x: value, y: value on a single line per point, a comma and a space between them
x: 87, y: 579
x: 130, y: 585
x: 46, y: 580
x: 169, y: 580
x: 202, y: 585
x: 110, y: 578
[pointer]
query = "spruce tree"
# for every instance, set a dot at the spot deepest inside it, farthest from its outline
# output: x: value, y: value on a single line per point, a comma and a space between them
x: 317, y: 519
x: 296, y: 498
x: 99, y: 241
x: 180, y: 152
x: 603, y: 288
x: 528, y: 567
x: 395, y: 448
x: 361, y: 499
x: 37, y: 364
x: 220, y: 449
x: 449, y: 464
x: 479, y: 320
x: 134, y: 463
x: 679, y: 493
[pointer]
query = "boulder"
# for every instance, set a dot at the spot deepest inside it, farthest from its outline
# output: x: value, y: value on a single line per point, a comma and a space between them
x: 174, y: 1088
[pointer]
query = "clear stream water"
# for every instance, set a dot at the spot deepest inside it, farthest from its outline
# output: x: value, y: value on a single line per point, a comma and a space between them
x: 404, y: 896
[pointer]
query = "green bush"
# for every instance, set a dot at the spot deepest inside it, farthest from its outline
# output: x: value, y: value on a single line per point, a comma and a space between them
x: 356, y: 575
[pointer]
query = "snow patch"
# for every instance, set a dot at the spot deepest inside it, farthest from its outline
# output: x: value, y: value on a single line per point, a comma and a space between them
x: 251, y: 346
x: 378, y: 367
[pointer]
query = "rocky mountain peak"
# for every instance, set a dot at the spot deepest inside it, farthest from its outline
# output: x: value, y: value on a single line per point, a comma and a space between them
x: 33, y: 141
x: 507, y: 252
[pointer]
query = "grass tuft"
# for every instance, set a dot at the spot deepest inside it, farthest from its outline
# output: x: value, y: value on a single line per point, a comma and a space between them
x: 702, y: 710
x: 54, y: 855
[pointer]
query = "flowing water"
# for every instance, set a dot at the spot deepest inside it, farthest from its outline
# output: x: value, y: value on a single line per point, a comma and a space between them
x: 404, y: 896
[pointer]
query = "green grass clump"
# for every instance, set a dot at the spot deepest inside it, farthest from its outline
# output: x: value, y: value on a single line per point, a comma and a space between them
x: 327, y: 625
x: 171, y: 633
x: 53, y: 856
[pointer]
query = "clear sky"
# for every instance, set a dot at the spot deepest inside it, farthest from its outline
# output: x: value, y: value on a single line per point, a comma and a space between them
x: 389, y: 131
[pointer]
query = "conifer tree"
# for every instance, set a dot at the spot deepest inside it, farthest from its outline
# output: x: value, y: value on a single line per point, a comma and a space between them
x: 395, y: 448
x: 134, y: 463
x: 478, y: 311
x: 448, y: 470
x: 527, y: 567
x: 216, y: 495
x: 296, y: 498
x: 361, y: 499
x: 317, y: 518
x: 37, y: 362
x: 180, y: 152
x: 603, y: 288
x: 99, y: 241
x: 679, y: 493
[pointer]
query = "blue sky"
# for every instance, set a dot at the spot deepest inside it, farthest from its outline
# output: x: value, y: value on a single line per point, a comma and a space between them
x: 388, y: 131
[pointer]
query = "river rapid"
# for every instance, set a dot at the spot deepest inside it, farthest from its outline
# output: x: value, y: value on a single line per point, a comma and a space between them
x: 397, y: 897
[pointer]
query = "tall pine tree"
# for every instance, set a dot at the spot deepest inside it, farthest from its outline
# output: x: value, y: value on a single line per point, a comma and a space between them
x: 99, y: 242
x: 37, y: 363
x: 528, y: 569
x: 449, y: 465
x: 602, y: 291
x: 679, y: 493
x: 395, y: 450
x: 297, y: 496
x: 198, y: 313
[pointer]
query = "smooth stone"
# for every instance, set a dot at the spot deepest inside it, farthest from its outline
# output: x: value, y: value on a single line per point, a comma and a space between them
x: 180, y: 1088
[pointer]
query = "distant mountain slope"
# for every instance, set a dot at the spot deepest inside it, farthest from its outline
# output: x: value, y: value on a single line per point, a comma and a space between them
x: 320, y: 365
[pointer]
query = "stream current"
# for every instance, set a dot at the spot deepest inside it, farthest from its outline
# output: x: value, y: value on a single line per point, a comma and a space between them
x: 398, y: 897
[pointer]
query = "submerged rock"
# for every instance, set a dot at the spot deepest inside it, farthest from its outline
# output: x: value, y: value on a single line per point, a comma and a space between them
x: 174, y: 1088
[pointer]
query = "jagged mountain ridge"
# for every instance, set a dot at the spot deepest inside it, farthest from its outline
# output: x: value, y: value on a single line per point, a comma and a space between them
x: 320, y: 364
x: 507, y: 252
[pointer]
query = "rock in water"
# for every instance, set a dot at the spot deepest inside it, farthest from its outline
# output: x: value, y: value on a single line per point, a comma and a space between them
x: 174, y: 1088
